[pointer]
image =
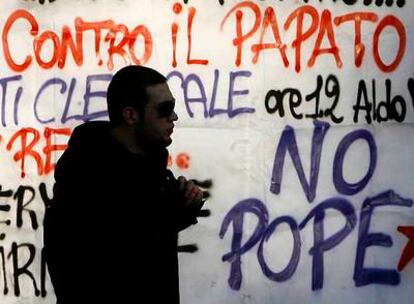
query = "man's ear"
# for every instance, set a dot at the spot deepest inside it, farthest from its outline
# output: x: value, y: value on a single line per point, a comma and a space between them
x: 130, y: 116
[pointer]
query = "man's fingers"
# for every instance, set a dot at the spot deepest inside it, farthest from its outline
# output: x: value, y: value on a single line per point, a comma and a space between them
x: 188, y: 188
x: 198, y: 196
x: 193, y: 193
x: 182, y: 181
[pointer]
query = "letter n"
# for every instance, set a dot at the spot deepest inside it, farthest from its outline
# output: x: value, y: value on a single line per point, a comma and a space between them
x: 288, y: 143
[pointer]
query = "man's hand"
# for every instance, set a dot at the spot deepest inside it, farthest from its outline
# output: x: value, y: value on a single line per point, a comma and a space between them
x: 192, y: 193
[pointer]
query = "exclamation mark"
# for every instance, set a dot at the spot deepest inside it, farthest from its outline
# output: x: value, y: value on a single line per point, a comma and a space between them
x: 177, y: 8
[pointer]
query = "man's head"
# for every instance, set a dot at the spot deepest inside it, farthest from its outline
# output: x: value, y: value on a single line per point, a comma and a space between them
x: 139, y: 99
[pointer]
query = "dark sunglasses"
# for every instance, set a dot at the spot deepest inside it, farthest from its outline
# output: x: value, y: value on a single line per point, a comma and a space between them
x: 165, y: 109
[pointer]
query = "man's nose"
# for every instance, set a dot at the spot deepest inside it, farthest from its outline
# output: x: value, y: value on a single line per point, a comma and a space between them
x: 173, y: 116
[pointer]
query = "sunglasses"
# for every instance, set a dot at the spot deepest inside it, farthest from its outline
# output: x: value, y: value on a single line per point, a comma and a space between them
x: 165, y: 109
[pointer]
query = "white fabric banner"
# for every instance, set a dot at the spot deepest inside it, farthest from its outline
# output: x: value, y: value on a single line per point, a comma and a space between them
x: 299, y: 112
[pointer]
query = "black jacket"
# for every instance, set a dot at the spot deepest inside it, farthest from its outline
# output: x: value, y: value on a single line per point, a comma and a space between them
x: 110, y: 234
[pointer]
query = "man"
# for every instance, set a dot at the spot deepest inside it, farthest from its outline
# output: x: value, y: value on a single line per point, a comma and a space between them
x: 111, y: 230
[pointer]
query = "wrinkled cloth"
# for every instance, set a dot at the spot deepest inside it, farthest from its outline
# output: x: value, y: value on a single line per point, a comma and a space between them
x: 110, y: 232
